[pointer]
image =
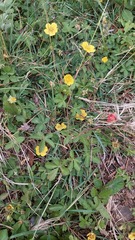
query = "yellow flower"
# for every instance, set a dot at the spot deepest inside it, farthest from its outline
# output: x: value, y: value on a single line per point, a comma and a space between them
x: 91, y: 236
x: 131, y: 236
x: 61, y: 126
x: 81, y: 116
x: 12, y: 99
x: 104, y: 59
x: 88, y: 48
x: 101, y: 1
x: 68, y: 79
x: 43, y: 152
x: 51, y: 29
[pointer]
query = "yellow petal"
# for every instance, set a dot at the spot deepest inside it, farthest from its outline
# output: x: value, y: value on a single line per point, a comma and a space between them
x: 12, y: 99
x: 104, y: 59
x: 44, y: 152
x: 51, y: 29
x: 131, y: 236
x: 63, y: 125
x: 81, y: 116
x: 88, y: 48
x: 68, y: 79
x: 37, y: 150
x: 60, y: 127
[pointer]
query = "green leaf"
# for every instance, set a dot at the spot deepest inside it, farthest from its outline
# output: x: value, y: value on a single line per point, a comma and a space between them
x: 128, y: 26
x: 67, y: 140
x: 50, y: 165
x: 9, y: 145
x: 70, y: 167
x: 26, y: 197
x: 76, y: 166
x: 3, y: 196
x: 41, y: 145
x: 96, y: 160
x: 105, y: 194
x: 111, y: 188
x: 22, y: 234
x: 20, y: 139
x: 116, y: 185
x: 71, y: 153
x: 56, y: 207
x: 127, y: 15
x: 94, y: 192
x: 11, y: 108
x: 4, y: 234
x: 103, y: 211
x: 52, y: 175
x: 50, y: 142
x: 64, y: 170
x: 37, y: 136
x: 8, y: 70
x: 98, y: 183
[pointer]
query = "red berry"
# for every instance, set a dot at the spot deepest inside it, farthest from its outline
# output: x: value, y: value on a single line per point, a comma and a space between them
x: 111, y: 118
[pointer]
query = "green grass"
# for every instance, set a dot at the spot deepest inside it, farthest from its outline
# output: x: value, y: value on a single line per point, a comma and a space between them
x: 66, y: 193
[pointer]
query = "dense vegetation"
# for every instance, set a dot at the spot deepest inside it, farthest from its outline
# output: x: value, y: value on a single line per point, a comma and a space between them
x: 67, y: 128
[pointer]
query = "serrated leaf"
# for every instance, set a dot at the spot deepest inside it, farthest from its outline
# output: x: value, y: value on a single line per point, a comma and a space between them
x: 50, y: 165
x: 105, y: 193
x: 37, y: 136
x: 103, y: 211
x: 98, y: 183
x: 11, y: 108
x: 94, y: 192
x: 127, y: 15
x: 111, y: 188
x: 116, y: 185
x: 9, y: 145
x: 20, y: 139
x: 52, y: 175
x: 64, y: 170
x: 129, y: 26
x: 50, y: 142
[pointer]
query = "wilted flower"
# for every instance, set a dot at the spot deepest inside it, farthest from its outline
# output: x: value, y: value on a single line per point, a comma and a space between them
x: 91, y: 236
x: 88, y: 48
x: 9, y: 217
x: 81, y: 116
x: 68, y: 79
x: 61, y: 126
x: 12, y: 99
x: 43, y: 152
x: 104, y: 59
x: 9, y: 208
x: 116, y: 145
x: 51, y: 29
x: 90, y: 121
x: 104, y: 21
x: 131, y: 236
x: 52, y: 84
